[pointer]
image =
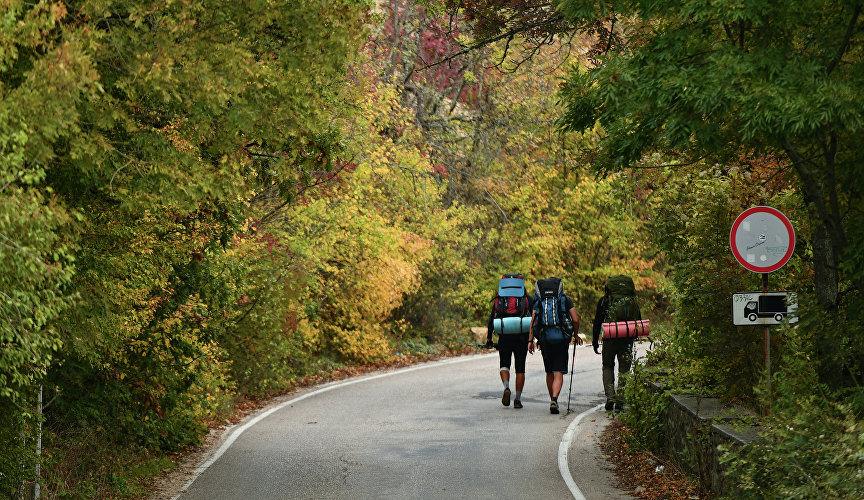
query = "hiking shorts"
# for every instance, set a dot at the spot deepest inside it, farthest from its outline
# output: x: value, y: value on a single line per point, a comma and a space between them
x: 555, y: 357
x: 515, y: 346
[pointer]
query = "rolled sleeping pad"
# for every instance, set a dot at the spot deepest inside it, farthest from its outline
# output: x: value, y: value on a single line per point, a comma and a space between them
x: 626, y: 329
x: 512, y: 325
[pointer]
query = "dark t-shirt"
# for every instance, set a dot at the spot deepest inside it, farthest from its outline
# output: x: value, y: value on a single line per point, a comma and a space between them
x: 599, y: 316
x: 568, y: 303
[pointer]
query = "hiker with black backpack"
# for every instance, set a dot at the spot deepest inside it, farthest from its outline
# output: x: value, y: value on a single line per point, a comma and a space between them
x: 617, y: 305
x: 555, y: 322
x: 511, y: 320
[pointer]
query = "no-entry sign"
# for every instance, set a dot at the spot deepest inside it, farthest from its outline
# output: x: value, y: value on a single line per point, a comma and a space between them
x: 762, y: 239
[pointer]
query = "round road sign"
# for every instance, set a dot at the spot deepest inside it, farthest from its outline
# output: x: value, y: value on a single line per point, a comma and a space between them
x: 762, y: 239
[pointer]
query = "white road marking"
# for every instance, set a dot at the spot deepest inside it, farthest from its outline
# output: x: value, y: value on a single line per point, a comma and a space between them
x: 564, y: 446
x: 335, y: 385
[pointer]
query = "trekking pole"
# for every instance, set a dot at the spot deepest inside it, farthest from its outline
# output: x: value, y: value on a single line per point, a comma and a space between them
x: 572, y: 369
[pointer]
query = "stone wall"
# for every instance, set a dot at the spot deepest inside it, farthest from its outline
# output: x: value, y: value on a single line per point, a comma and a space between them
x: 695, y: 426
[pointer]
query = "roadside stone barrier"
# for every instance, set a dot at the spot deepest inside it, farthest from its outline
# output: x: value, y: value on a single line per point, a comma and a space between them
x: 694, y: 428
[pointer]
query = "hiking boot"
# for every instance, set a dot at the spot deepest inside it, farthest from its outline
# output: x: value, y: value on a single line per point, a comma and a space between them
x: 505, y: 399
x: 517, y: 403
x: 553, y: 407
x: 610, y: 405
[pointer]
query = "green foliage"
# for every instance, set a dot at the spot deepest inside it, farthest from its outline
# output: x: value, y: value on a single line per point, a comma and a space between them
x: 713, y: 79
x: 813, y: 442
x: 80, y: 465
x: 260, y: 338
x: 132, y: 137
x: 736, y: 95
x: 646, y: 410
x: 692, y: 215
x: 35, y: 264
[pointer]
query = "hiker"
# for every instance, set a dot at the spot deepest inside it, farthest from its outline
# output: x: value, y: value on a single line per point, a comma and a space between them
x: 555, y: 321
x: 617, y: 304
x: 510, y: 319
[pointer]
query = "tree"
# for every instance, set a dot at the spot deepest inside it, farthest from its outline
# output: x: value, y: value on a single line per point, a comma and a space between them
x: 133, y: 135
x: 719, y: 78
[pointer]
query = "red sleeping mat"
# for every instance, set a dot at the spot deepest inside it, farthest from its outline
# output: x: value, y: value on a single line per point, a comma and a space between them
x: 626, y: 329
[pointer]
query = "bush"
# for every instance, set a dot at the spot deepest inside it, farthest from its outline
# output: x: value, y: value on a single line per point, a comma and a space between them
x: 813, y: 442
x: 646, y: 410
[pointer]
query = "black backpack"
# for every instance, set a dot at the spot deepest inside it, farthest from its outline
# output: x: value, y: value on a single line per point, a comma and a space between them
x: 552, y: 318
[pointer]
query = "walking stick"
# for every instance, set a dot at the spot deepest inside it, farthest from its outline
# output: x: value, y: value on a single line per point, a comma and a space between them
x: 572, y: 368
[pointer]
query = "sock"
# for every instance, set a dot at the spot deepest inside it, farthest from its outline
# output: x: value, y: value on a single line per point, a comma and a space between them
x: 518, y: 395
x: 506, y: 384
x: 555, y: 398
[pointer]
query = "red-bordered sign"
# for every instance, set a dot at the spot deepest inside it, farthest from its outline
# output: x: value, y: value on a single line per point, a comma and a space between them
x: 762, y: 239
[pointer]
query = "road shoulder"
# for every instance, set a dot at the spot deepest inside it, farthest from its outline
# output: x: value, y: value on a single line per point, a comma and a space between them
x: 593, y: 474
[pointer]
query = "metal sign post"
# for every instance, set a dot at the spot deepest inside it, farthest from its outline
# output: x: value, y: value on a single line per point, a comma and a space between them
x: 762, y: 240
x: 767, y: 349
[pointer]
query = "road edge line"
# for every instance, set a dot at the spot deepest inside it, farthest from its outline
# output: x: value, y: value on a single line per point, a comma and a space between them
x: 237, y: 431
x: 563, y: 449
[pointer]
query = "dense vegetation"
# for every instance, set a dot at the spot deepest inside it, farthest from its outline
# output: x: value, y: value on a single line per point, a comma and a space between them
x: 196, y: 206
x: 752, y: 103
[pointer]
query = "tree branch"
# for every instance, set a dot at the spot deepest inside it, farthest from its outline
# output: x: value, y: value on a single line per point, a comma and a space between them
x: 669, y: 165
x: 502, y: 36
x: 282, y: 205
x: 609, y: 40
x: 850, y: 31
x: 813, y: 190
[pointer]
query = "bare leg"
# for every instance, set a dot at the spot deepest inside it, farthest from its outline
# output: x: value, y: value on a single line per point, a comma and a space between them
x: 557, y: 383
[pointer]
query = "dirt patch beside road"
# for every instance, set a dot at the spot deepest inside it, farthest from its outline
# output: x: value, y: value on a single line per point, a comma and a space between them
x: 643, y: 474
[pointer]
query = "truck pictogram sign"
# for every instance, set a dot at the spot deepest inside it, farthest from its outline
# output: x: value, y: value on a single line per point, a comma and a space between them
x: 763, y: 308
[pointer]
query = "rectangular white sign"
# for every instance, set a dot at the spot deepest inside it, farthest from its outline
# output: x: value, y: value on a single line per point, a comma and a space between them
x: 764, y: 308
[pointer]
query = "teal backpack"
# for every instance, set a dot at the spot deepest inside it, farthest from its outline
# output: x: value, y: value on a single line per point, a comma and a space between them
x: 510, y: 306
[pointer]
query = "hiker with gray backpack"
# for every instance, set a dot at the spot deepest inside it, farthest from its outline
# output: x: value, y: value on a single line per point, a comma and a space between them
x: 618, y: 305
x: 555, y: 322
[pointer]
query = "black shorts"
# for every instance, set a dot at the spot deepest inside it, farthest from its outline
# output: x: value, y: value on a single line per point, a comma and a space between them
x: 515, y: 346
x: 555, y: 357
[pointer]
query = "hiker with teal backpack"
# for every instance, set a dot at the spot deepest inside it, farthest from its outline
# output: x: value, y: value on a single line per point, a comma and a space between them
x: 617, y: 305
x: 511, y: 320
x: 554, y: 321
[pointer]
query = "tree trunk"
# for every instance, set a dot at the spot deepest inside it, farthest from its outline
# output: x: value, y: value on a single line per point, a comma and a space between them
x: 825, y: 275
x: 828, y: 238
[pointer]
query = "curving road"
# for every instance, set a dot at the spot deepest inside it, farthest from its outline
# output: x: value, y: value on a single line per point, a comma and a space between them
x: 436, y: 430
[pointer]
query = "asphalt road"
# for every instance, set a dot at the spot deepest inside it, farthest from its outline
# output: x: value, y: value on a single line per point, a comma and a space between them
x: 436, y: 430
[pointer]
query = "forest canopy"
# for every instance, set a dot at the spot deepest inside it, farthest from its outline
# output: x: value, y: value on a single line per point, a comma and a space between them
x: 207, y: 202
